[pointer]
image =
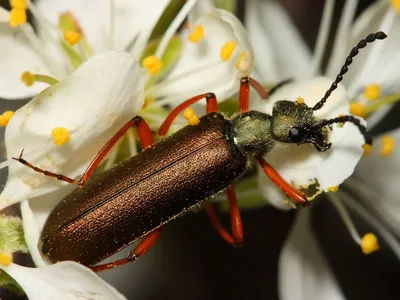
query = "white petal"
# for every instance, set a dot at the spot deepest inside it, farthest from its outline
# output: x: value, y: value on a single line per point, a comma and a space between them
x: 130, y: 18
x: 303, y: 271
x: 92, y: 104
x: 279, y: 49
x: 200, y: 69
x: 381, y: 177
x: 62, y: 281
x: 17, y: 56
x: 300, y: 165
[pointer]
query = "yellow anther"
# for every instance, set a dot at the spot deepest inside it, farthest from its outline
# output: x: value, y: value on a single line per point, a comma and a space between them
x: 17, y: 17
x: 358, y: 109
x: 396, y: 5
x: 333, y: 188
x: 367, y: 149
x: 152, y: 64
x: 372, y: 92
x: 197, y: 34
x: 72, y: 37
x: 227, y: 50
x: 387, y: 145
x: 60, y: 135
x: 241, y: 57
x: 188, y: 113
x: 194, y: 120
x: 6, y: 258
x: 369, y: 243
x: 299, y: 100
x: 28, y: 78
x: 20, y: 4
x: 5, y: 117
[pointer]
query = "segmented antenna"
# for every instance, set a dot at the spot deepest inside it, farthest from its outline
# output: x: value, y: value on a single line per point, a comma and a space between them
x: 361, y: 44
x: 345, y: 119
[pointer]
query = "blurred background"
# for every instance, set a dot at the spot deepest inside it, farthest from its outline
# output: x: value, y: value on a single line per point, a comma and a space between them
x: 191, y: 262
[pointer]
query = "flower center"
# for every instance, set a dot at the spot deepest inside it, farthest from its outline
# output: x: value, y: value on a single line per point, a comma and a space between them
x: 60, y: 135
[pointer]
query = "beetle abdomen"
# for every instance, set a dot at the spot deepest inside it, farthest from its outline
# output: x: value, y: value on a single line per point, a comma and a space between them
x: 136, y: 197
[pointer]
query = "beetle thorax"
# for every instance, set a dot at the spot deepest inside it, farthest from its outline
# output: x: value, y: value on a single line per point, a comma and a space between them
x: 251, y: 133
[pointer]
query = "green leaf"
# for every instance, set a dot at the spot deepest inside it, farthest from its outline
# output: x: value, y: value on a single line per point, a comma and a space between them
x: 6, y: 281
x: 229, y: 5
x: 12, y: 234
x: 166, y: 18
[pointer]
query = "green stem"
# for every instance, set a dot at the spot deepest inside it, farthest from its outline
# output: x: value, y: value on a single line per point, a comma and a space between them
x: 46, y: 79
x: 382, y: 102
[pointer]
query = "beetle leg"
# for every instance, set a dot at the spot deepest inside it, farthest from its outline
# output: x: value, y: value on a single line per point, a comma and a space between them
x: 145, y: 138
x: 144, y: 245
x: 293, y: 193
x: 212, y: 106
x: 236, y: 239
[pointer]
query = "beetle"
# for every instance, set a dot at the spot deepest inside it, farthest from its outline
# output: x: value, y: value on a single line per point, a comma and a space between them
x: 136, y: 198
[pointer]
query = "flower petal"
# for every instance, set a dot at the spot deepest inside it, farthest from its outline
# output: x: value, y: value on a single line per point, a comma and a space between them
x: 92, y: 104
x: 303, y: 271
x: 200, y: 68
x: 280, y: 50
x: 129, y: 19
x: 63, y: 280
x: 382, y: 183
x: 303, y: 165
x: 17, y: 56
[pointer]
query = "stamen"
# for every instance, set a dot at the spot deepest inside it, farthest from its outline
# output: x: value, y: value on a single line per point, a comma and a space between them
x: 6, y: 258
x: 28, y: 78
x: 387, y: 145
x: 333, y: 188
x: 239, y: 63
x: 17, y: 17
x: 72, y: 37
x: 5, y: 118
x: 19, y: 4
x: 227, y: 50
x: 358, y: 109
x: 369, y: 243
x: 367, y: 149
x: 197, y: 34
x: 396, y: 5
x: 372, y: 92
x: 152, y: 64
x: 190, y: 115
x: 60, y: 136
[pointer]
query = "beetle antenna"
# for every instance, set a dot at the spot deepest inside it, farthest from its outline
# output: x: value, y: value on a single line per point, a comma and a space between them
x: 346, y: 119
x: 361, y: 44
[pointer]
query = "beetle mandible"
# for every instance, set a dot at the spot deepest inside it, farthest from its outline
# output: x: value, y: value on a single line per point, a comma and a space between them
x: 136, y: 198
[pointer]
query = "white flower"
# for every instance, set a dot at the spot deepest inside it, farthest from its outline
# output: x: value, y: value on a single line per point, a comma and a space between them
x: 374, y: 74
x: 63, y: 280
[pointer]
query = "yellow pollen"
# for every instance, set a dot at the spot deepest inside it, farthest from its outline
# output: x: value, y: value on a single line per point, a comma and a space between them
x: 17, y: 17
x: 372, y: 92
x: 333, y: 188
x: 152, y: 64
x: 190, y: 115
x: 6, y: 258
x: 396, y: 5
x: 241, y: 57
x: 387, y: 145
x: 28, y: 78
x: 369, y: 243
x: 367, y: 149
x: 197, y: 34
x: 5, y: 118
x: 299, y: 100
x: 227, y: 50
x: 20, y: 4
x: 72, y: 37
x: 358, y: 109
x: 60, y: 135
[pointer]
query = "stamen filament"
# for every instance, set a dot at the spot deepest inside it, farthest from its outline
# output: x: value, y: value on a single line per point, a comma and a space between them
x: 384, y: 101
x: 29, y: 78
x: 342, y: 211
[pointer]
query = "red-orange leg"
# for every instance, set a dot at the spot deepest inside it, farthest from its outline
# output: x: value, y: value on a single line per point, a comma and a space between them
x: 145, y: 137
x: 293, y: 193
x: 145, y: 244
x: 244, y: 92
x: 211, y: 106
x: 236, y: 239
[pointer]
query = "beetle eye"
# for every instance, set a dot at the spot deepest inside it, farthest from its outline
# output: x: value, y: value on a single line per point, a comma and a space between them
x: 296, y: 135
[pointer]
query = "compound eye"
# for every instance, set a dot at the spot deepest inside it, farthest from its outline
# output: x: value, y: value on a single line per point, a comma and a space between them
x: 296, y: 134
